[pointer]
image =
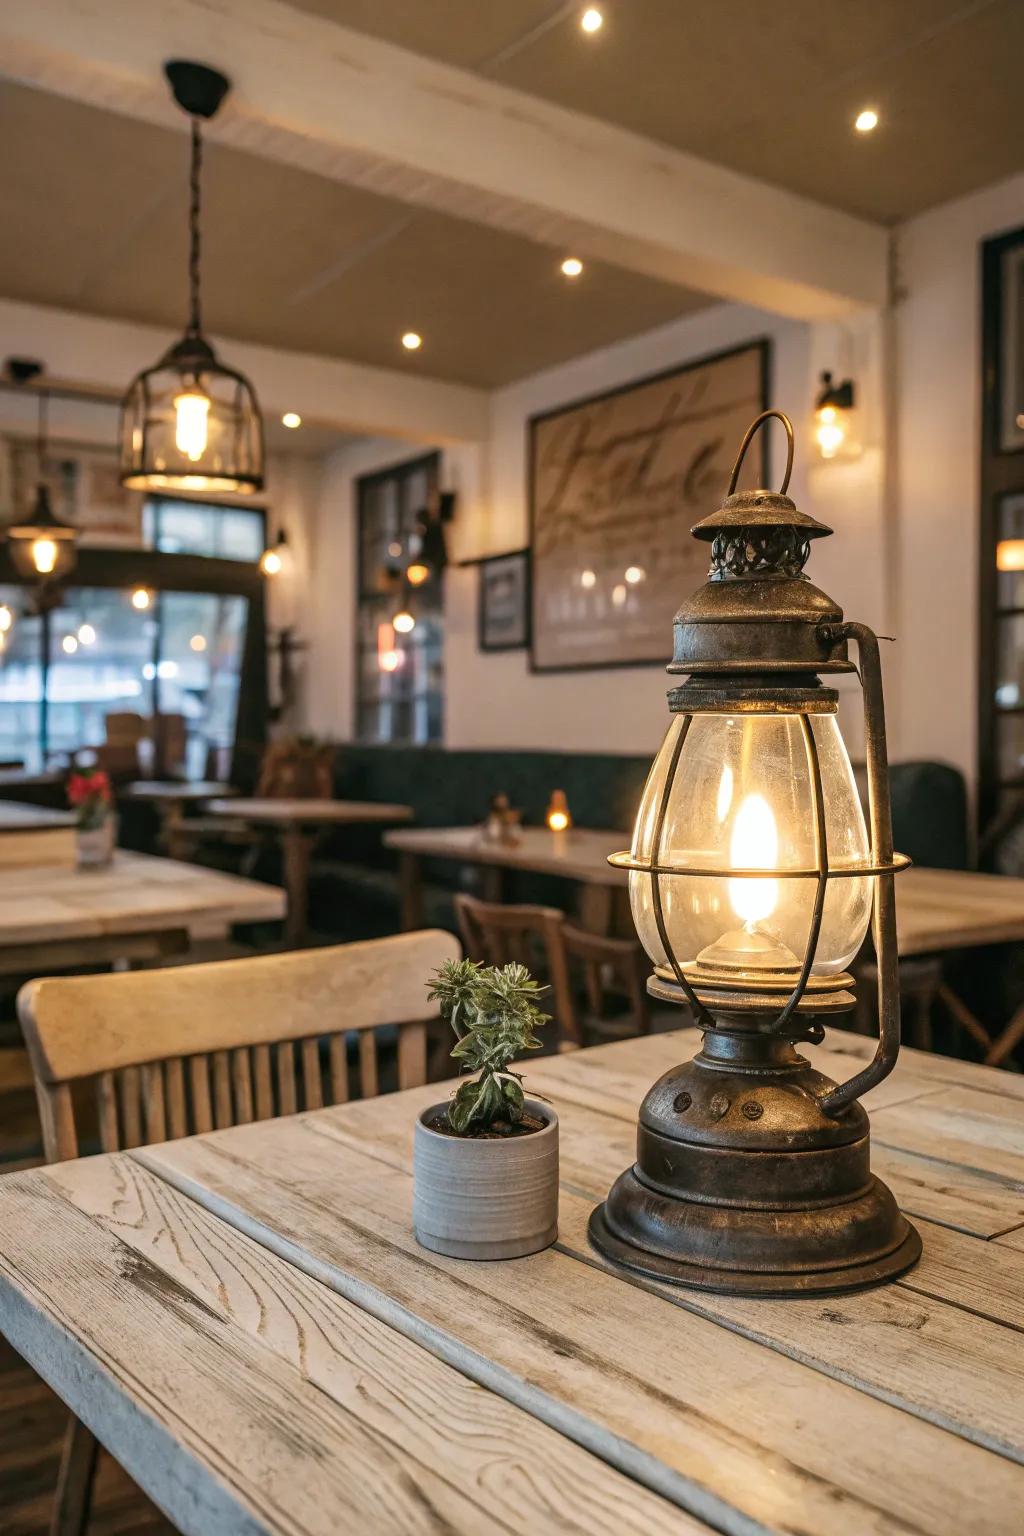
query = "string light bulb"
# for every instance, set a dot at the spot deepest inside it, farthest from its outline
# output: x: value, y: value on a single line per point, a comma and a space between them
x: 141, y: 599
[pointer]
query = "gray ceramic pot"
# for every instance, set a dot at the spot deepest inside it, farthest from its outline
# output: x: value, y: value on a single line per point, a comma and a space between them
x: 486, y: 1199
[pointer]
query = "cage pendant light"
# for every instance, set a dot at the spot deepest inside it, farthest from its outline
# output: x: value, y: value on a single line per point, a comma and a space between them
x: 190, y: 423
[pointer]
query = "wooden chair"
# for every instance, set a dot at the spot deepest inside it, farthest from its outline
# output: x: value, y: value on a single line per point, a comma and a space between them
x: 204, y: 1047
x: 498, y: 934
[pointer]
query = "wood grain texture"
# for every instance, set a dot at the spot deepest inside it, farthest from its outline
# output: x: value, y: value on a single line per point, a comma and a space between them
x: 750, y: 1435
x: 137, y: 894
x: 269, y: 1403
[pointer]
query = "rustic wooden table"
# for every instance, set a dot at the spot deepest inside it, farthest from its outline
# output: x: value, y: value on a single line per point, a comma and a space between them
x: 170, y: 797
x: 54, y: 915
x: 246, y: 1322
x: 298, y: 823
x: 580, y: 854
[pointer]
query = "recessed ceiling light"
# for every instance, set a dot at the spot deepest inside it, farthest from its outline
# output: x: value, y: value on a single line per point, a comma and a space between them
x: 291, y: 419
x: 572, y: 266
x: 591, y: 20
x: 866, y: 121
x: 412, y: 341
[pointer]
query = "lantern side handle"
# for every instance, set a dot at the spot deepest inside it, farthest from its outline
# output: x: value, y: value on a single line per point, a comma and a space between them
x: 883, y: 915
x: 748, y: 437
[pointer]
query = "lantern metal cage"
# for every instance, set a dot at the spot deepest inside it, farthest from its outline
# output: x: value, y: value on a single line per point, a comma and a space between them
x: 191, y: 423
x: 753, y: 1170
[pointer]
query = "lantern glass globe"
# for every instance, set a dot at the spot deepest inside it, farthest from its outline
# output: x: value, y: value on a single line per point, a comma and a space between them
x: 743, y: 798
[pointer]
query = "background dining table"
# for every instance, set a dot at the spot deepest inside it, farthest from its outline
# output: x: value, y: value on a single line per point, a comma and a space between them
x: 298, y: 823
x: 246, y: 1322
x: 53, y: 915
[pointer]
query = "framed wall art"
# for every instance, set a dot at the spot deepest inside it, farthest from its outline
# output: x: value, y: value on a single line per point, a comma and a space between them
x: 615, y: 483
x: 504, y: 602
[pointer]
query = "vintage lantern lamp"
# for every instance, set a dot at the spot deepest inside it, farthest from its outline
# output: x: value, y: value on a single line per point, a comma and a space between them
x: 752, y: 882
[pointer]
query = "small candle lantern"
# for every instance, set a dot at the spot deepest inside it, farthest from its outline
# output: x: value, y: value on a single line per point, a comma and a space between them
x: 752, y: 882
x: 558, y: 818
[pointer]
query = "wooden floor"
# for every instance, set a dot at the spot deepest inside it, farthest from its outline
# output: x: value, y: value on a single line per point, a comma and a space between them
x: 33, y: 1423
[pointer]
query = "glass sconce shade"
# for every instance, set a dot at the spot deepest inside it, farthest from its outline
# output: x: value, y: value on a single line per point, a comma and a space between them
x: 191, y: 424
x: 743, y: 798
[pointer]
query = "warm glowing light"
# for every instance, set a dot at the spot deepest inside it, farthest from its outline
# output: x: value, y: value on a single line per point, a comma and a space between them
x: 404, y: 622
x: 198, y: 642
x: 591, y: 20
x: 6, y: 618
x: 619, y: 594
x: 394, y: 549
x: 830, y: 432
x: 417, y: 573
x: 141, y: 598
x: 389, y: 661
x: 291, y: 419
x: 558, y: 818
x: 866, y: 121
x: 191, y: 410
x: 167, y: 669
x: 412, y: 341
x: 44, y: 555
x: 69, y: 645
x: 572, y: 266
x: 1009, y: 555
x: 86, y: 634
x: 754, y: 845
x: 271, y: 562
x: 634, y: 574
x: 725, y: 785
x: 588, y: 579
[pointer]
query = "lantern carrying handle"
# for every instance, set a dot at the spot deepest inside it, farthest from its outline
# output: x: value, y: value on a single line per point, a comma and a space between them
x: 883, y: 916
x: 748, y: 437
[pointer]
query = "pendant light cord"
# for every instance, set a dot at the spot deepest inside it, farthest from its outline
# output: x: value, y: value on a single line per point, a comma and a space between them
x: 194, y: 252
x: 42, y: 430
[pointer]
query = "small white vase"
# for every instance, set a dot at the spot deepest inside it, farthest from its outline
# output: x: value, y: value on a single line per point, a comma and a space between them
x: 485, y: 1198
x: 94, y: 846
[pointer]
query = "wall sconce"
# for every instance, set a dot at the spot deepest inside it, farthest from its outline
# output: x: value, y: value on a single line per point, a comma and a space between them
x: 432, y: 555
x: 275, y: 557
x: 832, y: 417
x: 558, y: 818
x: 752, y: 881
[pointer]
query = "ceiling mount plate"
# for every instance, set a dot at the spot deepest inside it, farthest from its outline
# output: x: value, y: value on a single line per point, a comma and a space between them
x: 198, y: 89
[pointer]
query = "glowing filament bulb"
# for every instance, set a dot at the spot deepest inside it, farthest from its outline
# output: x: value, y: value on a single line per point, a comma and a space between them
x: 44, y: 555
x: 830, y: 431
x: 754, y: 845
x: 191, y: 410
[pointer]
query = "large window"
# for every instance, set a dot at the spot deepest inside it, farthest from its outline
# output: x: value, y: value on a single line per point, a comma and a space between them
x: 1001, y: 692
x: 188, y: 660
x: 400, y: 671
x: 197, y: 528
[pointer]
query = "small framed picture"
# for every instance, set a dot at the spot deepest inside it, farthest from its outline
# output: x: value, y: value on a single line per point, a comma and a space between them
x: 504, y: 602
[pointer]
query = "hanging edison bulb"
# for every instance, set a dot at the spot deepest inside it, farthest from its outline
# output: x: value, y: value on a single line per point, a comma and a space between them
x: 190, y: 422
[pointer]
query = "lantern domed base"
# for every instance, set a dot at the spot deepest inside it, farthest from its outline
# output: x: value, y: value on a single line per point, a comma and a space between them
x: 744, y: 1184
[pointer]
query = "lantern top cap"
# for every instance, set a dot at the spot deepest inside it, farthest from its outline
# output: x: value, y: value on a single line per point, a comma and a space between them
x: 760, y: 508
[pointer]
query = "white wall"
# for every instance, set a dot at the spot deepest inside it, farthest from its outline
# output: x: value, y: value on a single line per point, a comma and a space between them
x: 938, y: 469
x: 492, y: 699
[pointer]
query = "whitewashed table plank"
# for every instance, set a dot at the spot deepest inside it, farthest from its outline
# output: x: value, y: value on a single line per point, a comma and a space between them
x: 978, y: 1131
x: 758, y: 1434
x: 298, y: 1411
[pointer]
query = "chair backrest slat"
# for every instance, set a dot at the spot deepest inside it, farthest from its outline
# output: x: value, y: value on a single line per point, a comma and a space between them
x: 262, y: 1085
x: 225, y: 1036
x: 500, y: 934
x: 199, y: 1092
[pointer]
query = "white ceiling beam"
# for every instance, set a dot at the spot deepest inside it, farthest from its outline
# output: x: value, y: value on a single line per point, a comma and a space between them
x: 311, y: 93
x: 104, y: 355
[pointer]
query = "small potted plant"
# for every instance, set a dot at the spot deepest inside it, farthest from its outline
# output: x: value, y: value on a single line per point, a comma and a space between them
x: 485, y: 1164
x: 90, y: 797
